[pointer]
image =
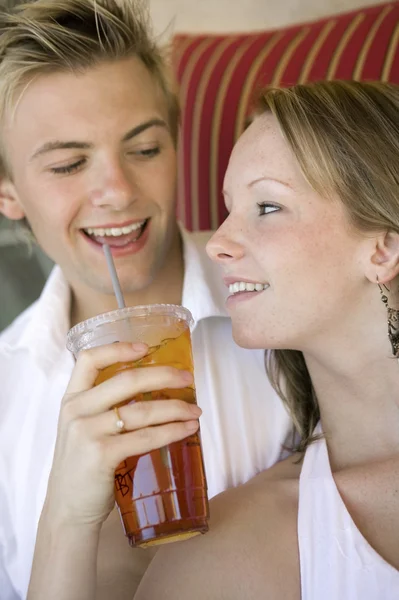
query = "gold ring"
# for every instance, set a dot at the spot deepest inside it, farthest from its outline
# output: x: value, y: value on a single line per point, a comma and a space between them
x: 120, y: 424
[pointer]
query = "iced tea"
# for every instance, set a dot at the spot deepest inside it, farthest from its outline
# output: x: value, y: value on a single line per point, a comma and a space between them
x: 162, y: 495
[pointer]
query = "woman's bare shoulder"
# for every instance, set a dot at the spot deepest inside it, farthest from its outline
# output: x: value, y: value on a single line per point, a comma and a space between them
x: 249, y: 552
x: 287, y: 470
x: 277, y: 486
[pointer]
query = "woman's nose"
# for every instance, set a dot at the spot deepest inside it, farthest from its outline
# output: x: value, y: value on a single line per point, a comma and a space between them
x: 223, y: 248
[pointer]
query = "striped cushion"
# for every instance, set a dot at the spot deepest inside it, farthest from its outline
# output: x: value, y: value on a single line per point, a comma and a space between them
x: 217, y: 75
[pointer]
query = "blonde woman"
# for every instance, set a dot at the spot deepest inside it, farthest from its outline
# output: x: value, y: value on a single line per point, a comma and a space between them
x: 312, y: 195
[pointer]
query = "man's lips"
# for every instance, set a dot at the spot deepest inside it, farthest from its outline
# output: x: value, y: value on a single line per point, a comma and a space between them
x: 120, y: 245
x: 115, y: 225
x: 117, y: 236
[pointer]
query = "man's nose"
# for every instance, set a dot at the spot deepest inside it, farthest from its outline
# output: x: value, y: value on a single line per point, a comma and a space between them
x: 114, y: 187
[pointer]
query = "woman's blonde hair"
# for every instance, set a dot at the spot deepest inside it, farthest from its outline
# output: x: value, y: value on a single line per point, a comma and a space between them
x: 345, y: 136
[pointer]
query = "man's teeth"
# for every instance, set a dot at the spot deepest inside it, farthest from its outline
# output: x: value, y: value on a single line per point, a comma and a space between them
x: 242, y: 286
x: 114, y: 231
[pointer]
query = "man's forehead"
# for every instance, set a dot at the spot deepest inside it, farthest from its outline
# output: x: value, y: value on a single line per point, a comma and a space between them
x: 79, y: 93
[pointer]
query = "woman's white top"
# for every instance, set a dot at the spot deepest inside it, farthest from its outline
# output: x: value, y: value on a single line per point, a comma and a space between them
x: 336, y: 561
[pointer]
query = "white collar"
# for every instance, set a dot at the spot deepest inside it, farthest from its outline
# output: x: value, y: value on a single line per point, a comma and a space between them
x: 47, y: 321
x: 41, y: 330
x: 204, y: 292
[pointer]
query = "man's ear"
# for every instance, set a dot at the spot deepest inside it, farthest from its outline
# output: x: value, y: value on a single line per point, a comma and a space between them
x: 10, y: 205
x: 384, y: 263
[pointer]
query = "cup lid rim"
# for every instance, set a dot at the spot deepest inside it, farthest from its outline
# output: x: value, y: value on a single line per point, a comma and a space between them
x: 141, y: 310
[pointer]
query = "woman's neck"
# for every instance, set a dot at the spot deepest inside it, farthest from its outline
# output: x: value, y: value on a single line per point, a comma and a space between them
x: 358, y: 394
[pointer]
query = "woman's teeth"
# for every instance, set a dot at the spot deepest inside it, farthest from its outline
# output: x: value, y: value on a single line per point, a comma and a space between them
x: 114, y: 231
x: 242, y: 286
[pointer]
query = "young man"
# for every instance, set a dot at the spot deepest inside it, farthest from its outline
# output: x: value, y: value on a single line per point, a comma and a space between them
x: 88, y: 156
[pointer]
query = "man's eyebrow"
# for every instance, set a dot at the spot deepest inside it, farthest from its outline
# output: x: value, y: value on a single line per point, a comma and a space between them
x: 143, y: 126
x: 58, y: 145
x: 76, y: 145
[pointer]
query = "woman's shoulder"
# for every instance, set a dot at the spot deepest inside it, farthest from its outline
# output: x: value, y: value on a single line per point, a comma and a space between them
x: 277, y: 486
x: 286, y: 472
x: 250, y: 550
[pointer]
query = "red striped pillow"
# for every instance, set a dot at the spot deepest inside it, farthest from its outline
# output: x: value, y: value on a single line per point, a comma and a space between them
x: 217, y: 75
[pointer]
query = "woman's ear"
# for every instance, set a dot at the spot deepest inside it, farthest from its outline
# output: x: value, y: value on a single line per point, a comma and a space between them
x: 384, y: 264
x: 10, y: 205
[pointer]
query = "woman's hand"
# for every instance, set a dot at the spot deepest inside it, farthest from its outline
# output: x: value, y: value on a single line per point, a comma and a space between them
x: 89, y: 444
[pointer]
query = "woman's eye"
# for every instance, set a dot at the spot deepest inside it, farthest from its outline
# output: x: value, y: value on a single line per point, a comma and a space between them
x: 67, y: 169
x: 265, y: 208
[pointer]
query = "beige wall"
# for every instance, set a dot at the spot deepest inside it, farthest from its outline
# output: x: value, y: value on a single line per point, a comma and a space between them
x: 171, y: 16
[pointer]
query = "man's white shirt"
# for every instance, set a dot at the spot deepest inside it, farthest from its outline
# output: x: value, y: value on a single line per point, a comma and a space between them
x: 243, y: 426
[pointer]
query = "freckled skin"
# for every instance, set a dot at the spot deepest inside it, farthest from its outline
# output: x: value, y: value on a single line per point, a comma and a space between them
x: 306, y: 248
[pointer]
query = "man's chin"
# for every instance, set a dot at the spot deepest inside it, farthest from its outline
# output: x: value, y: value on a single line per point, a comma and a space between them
x: 89, y: 287
x: 136, y: 285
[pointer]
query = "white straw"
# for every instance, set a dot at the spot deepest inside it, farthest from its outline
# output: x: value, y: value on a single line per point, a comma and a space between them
x: 114, y: 277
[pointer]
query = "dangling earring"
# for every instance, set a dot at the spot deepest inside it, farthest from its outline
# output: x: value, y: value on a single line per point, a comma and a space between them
x: 393, y: 320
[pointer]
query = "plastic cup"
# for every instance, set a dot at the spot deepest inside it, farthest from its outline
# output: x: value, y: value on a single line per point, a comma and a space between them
x: 162, y: 495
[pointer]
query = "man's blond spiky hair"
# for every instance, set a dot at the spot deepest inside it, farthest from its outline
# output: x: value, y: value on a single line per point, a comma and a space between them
x: 44, y: 36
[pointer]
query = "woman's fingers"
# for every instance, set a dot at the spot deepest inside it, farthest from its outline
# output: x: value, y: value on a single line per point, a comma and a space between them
x: 90, y: 362
x: 135, y: 443
x: 141, y: 415
x: 122, y: 387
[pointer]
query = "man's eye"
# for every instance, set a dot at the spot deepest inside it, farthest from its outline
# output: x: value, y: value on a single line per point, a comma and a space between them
x: 67, y: 169
x: 147, y: 152
x: 265, y: 208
